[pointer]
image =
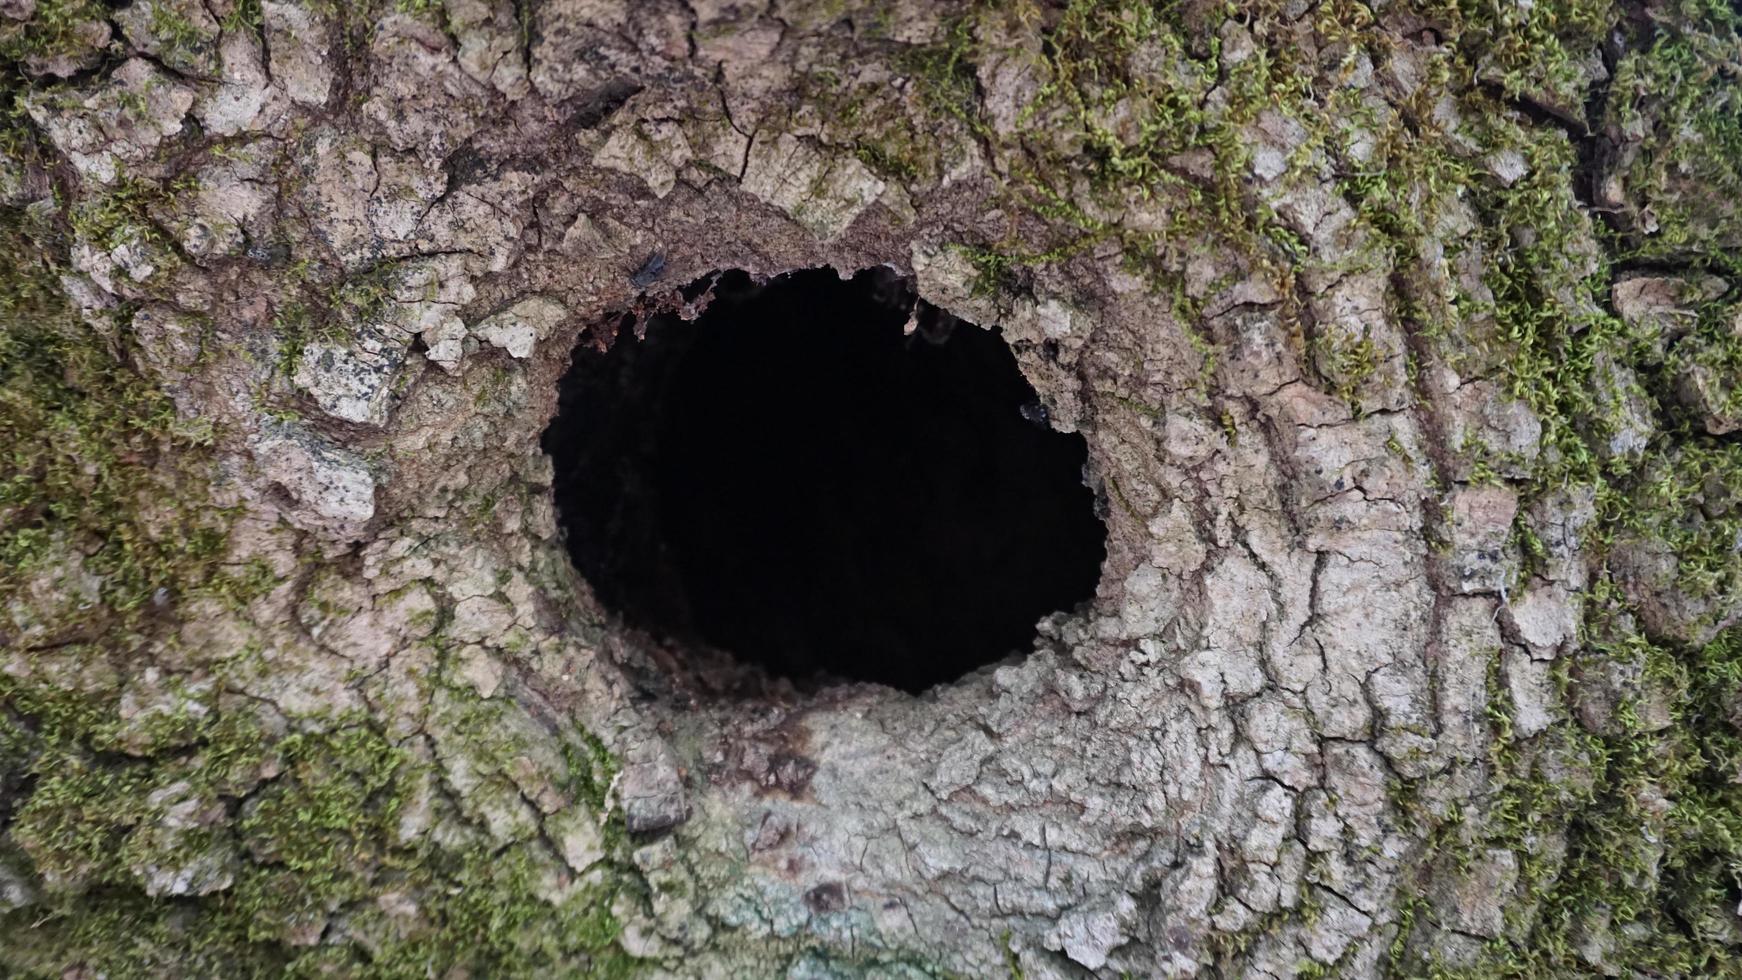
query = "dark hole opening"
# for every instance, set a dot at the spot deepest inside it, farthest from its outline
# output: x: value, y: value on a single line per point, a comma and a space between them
x: 794, y: 478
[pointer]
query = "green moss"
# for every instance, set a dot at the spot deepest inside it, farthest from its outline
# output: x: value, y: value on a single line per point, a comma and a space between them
x: 57, y: 29
x: 1546, y: 52
x: 320, y: 312
x: 1347, y: 360
x: 945, y: 72
x: 1691, y: 499
x: 1716, y: 349
x: 590, y: 770
x: 76, y: 818
x: 325, y: 823
x: 1139, y: 112
x: 1653, y: 867
x: 1123, y: 122
x: 1549, y: 338
x: 1124, y: 103
x: 861, y: 116
x: 1541, y: 328
x: 121, y: 215
x: 245, y: 15
x: 1675, y: 105
x: 92, y: 452
x: 320, y: 836
x: 104, y: 489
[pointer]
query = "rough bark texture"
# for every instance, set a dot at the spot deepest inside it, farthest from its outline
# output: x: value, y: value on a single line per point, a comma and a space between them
x: 1405, y: 338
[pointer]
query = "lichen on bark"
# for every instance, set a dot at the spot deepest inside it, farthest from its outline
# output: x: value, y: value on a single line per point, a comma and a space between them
x: 1405, y: 338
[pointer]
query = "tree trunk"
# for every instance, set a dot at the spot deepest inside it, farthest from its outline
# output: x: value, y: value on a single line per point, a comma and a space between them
x: 1404, y: 338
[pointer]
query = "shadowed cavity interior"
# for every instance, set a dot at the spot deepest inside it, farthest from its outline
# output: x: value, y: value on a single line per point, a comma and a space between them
x: 794, y: 478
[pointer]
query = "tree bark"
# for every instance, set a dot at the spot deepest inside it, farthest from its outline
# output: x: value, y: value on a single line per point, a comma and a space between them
x: 1405, y: 339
